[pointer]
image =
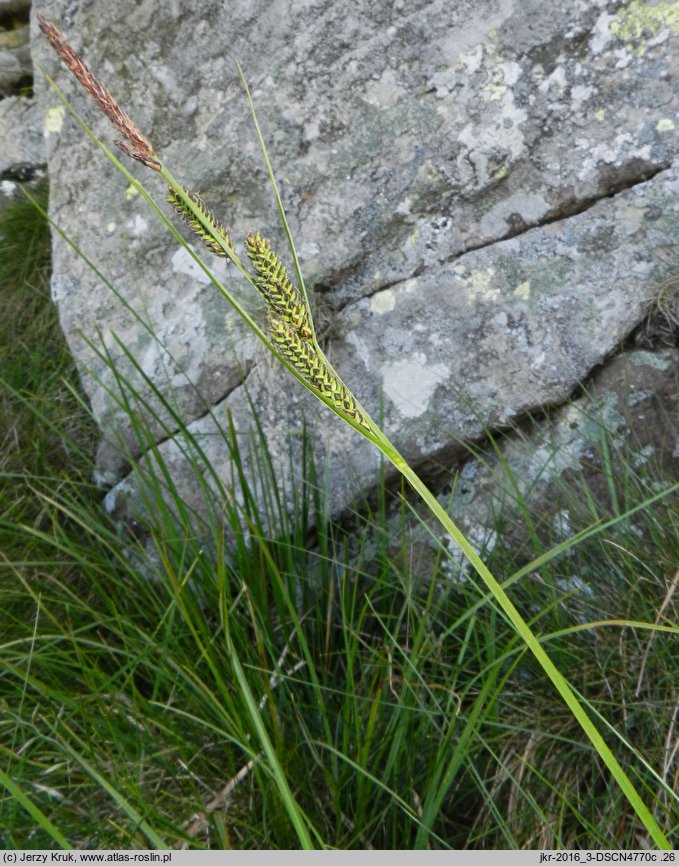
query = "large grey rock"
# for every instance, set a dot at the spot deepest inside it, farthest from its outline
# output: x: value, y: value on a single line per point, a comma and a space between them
x: 478, y: 343
x: 479, y: 192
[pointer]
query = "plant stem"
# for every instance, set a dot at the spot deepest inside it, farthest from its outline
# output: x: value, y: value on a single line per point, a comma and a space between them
x: 522, y: 627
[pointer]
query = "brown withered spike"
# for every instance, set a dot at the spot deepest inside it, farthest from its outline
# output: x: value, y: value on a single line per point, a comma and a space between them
x: 140, y: 147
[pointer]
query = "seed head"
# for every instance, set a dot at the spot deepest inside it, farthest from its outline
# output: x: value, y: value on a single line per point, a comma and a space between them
x: 313, y: 367
x: 283, y: 298
x: 196, y: 225
x: 136, y: 144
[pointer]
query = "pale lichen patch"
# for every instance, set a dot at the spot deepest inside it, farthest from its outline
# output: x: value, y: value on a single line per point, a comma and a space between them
x: 404, y: 207
x: 522, y: 290
x: 480, y: 285
x: 470, y: 61
x: 183, y: 263
x: 601, y: 34
x: 580, y: 94
x: 495, y: 89
x: 54, y: 118
x: 382, y: 302
x: 665, y: 124
x: 385, y: 92
x: 411, y: 382
x: 498, y: 138
x: 138, y: 226
x: 556, y: 81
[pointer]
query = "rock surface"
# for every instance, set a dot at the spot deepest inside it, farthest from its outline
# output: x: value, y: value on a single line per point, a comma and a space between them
x: 482, y: 197
x: 631, y: 404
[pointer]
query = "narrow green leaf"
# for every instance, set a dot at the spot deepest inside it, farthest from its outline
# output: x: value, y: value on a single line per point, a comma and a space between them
x: 37, y: 814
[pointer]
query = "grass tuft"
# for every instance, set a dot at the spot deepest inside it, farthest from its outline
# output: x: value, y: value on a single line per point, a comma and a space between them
x: 210, y: 679
x: 225, y: 689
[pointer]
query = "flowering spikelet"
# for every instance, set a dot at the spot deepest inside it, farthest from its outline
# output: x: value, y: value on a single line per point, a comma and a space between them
x: 194, y: 223
x: 136, y: 144
x: 284, y: 299
x: 313, y: 367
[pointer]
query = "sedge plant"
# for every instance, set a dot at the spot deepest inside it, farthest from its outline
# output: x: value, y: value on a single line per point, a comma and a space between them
x: 289, y: 334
